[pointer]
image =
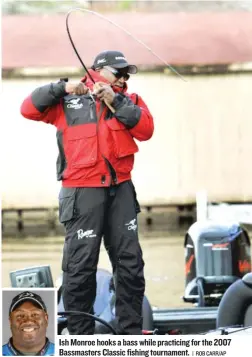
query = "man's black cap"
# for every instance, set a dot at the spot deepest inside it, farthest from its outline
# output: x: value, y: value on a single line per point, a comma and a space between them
x: 27, y: 296
x: 114, y: 59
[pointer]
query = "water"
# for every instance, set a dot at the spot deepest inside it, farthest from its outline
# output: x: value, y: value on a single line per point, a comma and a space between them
x: 162, y: 245
x: 163, y: 255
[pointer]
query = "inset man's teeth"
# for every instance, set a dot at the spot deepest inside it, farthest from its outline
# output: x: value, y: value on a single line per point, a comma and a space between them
x: 28, y: 329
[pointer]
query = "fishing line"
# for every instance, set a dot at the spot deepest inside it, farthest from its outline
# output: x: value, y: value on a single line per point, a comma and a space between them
x: 121, y: 28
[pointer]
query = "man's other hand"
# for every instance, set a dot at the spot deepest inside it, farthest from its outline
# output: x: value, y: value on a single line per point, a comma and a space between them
x: 78, y: 89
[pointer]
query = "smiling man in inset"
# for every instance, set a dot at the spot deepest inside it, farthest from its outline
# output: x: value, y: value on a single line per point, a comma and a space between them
x: 28, y: 323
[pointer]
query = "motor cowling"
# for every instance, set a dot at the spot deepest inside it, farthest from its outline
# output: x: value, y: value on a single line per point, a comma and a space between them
x: 216, y: 255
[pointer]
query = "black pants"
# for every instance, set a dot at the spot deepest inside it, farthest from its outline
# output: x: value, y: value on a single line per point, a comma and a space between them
x: 88, y: 215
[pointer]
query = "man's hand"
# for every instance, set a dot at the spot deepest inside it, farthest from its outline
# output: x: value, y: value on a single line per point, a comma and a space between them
x: 78, y: 89
x: 104, y: 92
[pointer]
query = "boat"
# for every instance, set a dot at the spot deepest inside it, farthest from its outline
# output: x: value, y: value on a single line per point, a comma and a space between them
x: 218, y: 285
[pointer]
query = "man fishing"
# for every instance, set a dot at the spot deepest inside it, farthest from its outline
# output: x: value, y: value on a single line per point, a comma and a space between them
x: 96, y: 127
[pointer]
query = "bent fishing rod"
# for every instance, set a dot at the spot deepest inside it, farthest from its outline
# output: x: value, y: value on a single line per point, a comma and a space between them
x: 119, y: 27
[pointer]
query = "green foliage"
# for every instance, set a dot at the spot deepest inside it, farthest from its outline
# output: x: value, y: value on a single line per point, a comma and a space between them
x: 26, y: 7
x: 125, y: 5
x: 59, y: 6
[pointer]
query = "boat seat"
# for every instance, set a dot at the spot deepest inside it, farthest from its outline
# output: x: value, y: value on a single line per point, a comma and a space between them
x: 235, y: 308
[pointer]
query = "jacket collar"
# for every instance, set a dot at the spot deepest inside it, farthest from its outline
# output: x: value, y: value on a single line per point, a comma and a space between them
x: 98, y: 78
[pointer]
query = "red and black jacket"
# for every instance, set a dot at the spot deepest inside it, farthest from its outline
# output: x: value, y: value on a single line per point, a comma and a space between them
x: 96, y: 147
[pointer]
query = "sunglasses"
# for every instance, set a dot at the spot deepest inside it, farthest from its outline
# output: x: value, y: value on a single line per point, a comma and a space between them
x: 119, y: 73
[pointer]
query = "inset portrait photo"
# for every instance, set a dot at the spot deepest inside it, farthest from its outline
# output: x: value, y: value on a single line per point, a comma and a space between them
x: 28, y: 322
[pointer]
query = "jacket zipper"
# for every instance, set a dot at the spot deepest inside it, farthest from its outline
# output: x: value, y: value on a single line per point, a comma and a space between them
x: 111, y: 170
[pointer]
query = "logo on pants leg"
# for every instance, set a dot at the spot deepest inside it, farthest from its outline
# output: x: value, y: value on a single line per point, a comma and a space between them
x: 87, y: 234
x: 132, y: 226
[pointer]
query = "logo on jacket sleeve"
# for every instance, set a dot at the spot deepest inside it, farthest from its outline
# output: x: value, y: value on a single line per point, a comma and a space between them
x: 74, y: 103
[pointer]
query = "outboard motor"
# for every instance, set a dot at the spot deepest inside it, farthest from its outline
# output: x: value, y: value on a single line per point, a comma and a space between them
x: 216, y: 255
